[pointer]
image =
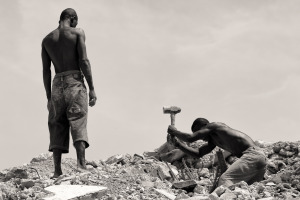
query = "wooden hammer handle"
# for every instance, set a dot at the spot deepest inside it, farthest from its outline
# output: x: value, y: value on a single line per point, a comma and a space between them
x: 172, y: 119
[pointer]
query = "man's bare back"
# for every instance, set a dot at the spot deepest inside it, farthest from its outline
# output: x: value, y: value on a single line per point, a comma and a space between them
x: 61, y: 45
x: 229, y: 139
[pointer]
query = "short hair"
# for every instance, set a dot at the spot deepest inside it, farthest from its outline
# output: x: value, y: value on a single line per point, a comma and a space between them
x: 67, y: 14
x: 199, y: 123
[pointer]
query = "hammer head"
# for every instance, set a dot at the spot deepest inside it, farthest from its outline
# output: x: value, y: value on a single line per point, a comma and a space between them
x: 171, y: 110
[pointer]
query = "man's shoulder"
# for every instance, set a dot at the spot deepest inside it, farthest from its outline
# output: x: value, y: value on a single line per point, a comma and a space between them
x: 214, y: 125
x: 49, y: 36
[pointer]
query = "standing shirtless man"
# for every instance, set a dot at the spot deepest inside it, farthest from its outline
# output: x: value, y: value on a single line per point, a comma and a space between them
x: 251, y: 165
x: 67, y: 102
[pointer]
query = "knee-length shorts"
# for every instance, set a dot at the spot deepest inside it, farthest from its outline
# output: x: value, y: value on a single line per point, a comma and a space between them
x: 250, y: 168
x: 68, y: 110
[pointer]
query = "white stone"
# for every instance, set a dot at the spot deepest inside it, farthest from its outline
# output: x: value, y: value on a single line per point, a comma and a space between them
x: 64, y: 192
x: 270, y: 184
x: 165, y: 193
x: 199, y: 197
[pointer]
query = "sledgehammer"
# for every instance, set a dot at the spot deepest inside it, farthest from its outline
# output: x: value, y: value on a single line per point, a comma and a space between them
x: 173, y: 110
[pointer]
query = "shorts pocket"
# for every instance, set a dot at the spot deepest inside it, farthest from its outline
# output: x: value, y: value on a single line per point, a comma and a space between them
x: 79, y: 107
x: 78, y: 77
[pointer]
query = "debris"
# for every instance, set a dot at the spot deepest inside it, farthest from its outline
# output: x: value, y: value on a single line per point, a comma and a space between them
x: 145, y: 177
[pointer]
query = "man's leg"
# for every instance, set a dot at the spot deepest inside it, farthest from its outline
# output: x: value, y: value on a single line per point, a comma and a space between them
x: 245, y: 168
x: 80, y: 150
x: 57, y: 163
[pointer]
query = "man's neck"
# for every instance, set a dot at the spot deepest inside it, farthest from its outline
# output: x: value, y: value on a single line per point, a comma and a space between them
x: 64, y: 24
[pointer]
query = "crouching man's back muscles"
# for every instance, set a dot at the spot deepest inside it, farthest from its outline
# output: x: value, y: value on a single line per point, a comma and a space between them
x: 67, y: 100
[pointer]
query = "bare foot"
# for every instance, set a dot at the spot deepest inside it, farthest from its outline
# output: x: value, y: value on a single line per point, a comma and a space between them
x: 81, y: 168
x: 92, y: 163
x: 56, y: 175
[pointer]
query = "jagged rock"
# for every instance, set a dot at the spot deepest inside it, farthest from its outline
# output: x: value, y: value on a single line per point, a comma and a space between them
x: 213, y: 196
x: 228, y: 195
x: 275, y: 166
x: 277, y: 148
x: 200, y: 189
x: 286, y: 153
x: 275, y: 179
x: 16, y: 173
x: 2, y: 177
x: 260, y: 188
x: 147, y: 184
x: 271, y: 184
x: 182, y: 196
x: 297, y: 171
x: 114, y: 159
x: 241, y: 184
x: 263, y: 144
x: 204, y: 173
x: 27, y: 183
x: 199, y: 197
x: 242, y: 193
x: 42, y: 157
x: 188, y: 185
x: 166, y: 194
x: 204, y: 182
x: 286, y: 185
x: 151, y: 154
x: 220, y: 190
x: 286, y: 176
x: 162, y: 171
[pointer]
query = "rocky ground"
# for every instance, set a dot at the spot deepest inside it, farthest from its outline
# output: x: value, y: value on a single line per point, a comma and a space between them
x: 144, y: 177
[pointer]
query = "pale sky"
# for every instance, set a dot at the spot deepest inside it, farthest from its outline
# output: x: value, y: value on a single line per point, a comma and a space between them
x: 236, y: 62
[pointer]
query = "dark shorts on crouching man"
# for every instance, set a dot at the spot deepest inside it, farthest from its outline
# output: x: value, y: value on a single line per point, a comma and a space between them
x: 68, y: 110
x: 250, y: 168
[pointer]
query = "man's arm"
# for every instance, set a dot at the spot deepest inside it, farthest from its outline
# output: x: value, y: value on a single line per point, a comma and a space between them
x: 85, y: 66
x: 203, y: 150
x: 46, y: 72
x: 201, y: 134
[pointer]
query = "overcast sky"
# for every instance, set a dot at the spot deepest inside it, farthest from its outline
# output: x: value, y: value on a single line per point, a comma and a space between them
x: 236, y: 62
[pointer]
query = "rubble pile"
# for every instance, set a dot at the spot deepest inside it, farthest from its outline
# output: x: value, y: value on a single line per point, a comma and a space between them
x: 146, y: 177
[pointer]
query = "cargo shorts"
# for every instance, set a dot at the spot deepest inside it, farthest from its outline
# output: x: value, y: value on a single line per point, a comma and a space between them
x: 68, y: 110
x: 250, y: 168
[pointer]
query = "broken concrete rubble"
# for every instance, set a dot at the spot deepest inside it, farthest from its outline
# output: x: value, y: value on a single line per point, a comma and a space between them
x: 145, y: 177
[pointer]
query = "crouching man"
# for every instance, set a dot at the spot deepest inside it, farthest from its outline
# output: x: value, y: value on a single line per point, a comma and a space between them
x: 251, y: 165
